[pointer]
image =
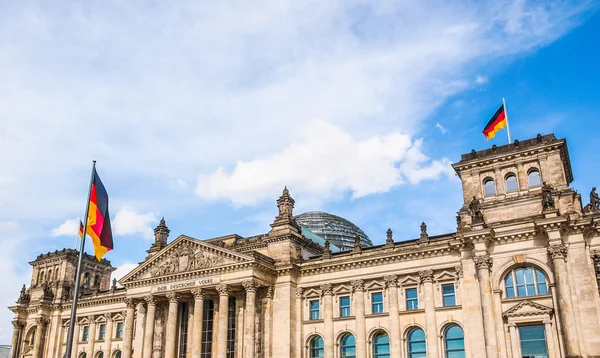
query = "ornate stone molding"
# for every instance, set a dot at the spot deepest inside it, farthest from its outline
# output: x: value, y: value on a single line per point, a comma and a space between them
x: 18, y: 324
x: 150, y: 300
x: 198, y: 293
x: 270, y: 293
x: 391, y: 280
x: 426, y: 276
x: 595, y: 255
x: 41, y: 321
x: 558, y: 251
x: 527, y: 308
x: 326, y: 289
x: 223, y: 289
x: 483, y: 262
x: 129, y: 303
x: 172, y: 297
x: 108, y: 317
x: 459, y: 270
x: 358, y: 285
x: 389, y: 241
x: 250, y: 285
x: 299, y: 292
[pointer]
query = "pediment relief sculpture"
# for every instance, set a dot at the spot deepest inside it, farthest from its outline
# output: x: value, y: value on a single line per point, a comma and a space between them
x: 187, y: 257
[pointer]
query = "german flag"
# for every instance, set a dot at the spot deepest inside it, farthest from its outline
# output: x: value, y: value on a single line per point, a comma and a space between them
x: 98, y: 222
x: 497, y: 122
x: 80, y: 229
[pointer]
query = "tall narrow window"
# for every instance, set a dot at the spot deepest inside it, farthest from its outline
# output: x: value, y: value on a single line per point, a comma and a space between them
x: 416, y: 343
x: 84, y: 336
x: 448, y: 295
x: 207, y: 329
x: 489, y: 187
x: 454, y: 342
x: 377, y: 302
x: 412, y: 299
x: 533, y: 341
x: 314, y: 310
x: 119, y: 333
x: 184, y: 310
x: 381, y: 345
x: 317, y: 348
x: 345, y: 306
x: 49, y: 275
x: 348, y: 346
x: 511, y: 183
x: 231, y: 328
x: 97, y: 281
x: 101, y: 332
x: 534, y: 178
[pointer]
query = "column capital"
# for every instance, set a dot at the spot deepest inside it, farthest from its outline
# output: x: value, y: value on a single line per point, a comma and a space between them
x: 558, y: 251
x: 358, y: 285
x: 483, y: 262
x: 92, y: 318
x: 512, y: 324
x: 595, y: 255
x: 18, y: 324
x: 150, y: 300
x: 326, y: 289
x: 299, y: 292
x: 41, y: 321
x: 223, y: 289
x: 250, y: 285
x: 129, y: 303
x: 426, y: 276
x: 108, y: 317
x: 198, y: 293
x: 172, y: 297
x: 391, y: 280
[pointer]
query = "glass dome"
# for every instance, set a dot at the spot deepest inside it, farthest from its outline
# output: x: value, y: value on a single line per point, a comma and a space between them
x: 339, y: 231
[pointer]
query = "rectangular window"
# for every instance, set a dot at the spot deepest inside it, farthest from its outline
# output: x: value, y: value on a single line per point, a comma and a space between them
x: 377, y: 302
x: 448, y: 296
x: 84, y: 336
x: 412, y: 299
x: 207, y: 329
x: 231, y: 328
x: 533, y: 341
x: 184, y: 310
x: 101, y: 332
x: 119, y: 330
x: 314, y: 310
x: 345, y: 306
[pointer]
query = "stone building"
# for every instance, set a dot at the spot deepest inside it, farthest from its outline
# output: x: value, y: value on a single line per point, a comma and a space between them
x: 516, y: 279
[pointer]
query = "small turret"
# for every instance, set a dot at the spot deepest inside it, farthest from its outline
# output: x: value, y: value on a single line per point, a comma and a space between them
x: 161, y: 234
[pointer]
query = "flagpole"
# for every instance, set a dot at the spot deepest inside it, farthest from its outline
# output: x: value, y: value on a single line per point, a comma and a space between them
x: 78, y: 272
x: 506, y: 116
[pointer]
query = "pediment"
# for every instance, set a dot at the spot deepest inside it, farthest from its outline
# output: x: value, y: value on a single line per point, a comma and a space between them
x: 527, y: 308
x: 374, y: 285
x: 184, y: 254
x: 342, y: 289
x: 445, y: 276
x: 409, y: 281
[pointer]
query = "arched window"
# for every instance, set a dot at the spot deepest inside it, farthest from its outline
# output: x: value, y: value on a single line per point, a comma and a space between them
x: 525, y: 281
x: 32, y: 337
x: 489, y: 187
x: 416, y: 343
x: 454, y: 342
x: 41, y: 277
x: 348, y: 346
x: 511, y: 183
x: 86, y: 278
x: 100, y: 354
x: 49, y: 276
x: 83, y: 355
x: 381, y: 345
x: 97, y: 280
x: 317, y: 349
x: 56, y: 273
x: 534, y: 178
x: 117, y: 354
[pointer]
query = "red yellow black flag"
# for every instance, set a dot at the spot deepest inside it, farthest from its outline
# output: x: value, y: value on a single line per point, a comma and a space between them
x: 497, y: 122
x: 98, y: 220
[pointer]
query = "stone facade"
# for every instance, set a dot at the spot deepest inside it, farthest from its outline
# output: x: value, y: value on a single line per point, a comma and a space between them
x: 519, y: 277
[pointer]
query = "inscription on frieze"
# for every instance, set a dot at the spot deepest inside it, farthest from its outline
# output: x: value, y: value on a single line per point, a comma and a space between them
x: 185, y: 285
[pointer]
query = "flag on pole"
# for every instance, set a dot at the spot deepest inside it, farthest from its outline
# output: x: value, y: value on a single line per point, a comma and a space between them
x: 497, y: 122
x: 98, y: 222
x: 80, y: 229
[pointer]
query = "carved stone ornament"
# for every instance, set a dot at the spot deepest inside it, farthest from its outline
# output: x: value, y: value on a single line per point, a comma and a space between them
x: 483, y: 262
x: 326, y: 289
x: 198, y: 293
x: 426, y: 276
x: 424, y: 236
x: 129, y: 303
x: 18, y: 324
x: 358, y: 285
x: 173, y: 297
x: 391, y: 280
x: 327, y: 250
x: 558, y: 251
x: 459, y: 270
x: 223, y: 289
x: 186, y: 257
x: 108, y: 317
x: 547, y: 199
x: 250, y: 285
x: 270, y: 293
x: 528, y: 308
x: 299, y: 292
x: 285, y: 204
x: 475, y: 211
x: 389, y: 237
x: 150, y: 300
x: 40, y: 321
x: 356, y: 249
x: 24, y: 296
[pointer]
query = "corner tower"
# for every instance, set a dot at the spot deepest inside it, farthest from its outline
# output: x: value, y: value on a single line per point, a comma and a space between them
x: 506, y: 182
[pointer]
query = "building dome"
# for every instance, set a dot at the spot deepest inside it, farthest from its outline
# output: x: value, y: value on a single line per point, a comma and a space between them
x: 339, y: 231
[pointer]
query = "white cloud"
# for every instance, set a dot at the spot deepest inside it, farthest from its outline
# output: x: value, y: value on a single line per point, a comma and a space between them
x: 69, y: 228
x: 129, y: 222
x: 440, y: 127
x: 480, y: 79
x: 178, y: 184
x: 324, y: 163
x: 122, y: 270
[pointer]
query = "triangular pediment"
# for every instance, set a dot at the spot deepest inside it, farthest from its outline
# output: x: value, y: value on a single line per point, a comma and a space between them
x: 184, y: 254
x: 527, y: 308
x: 445, y: 276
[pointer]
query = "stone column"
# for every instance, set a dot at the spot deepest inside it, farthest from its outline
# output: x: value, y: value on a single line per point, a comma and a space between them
x: 268, y: 321
x: 91, y: 335
x: 515, y: 343
x: 76, y: 335
x: 549, y: 338
x: 558, y: 253
x: 359, y: 308
x: 430, y: 322
x: 138, y: 340
x: 299, y: 320
x: 108, y: 334
x: 171, y: 337
x: 148, y: 342
x: 250, y: 287
x: 39, y: 331
x: 484, y: 265
x: 223, y: 310
x: 128, y: 334
x: 16, y: 338
x: 327, y: 295
x: 391, y: 282
x: 198, y: 311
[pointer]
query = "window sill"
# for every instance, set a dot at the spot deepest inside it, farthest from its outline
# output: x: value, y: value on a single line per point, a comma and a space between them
x: 447, y: 308
x: 99, y: 341
x: 522, y: 298
x: 422, y: 310
x: 343, y: 318
x: 313, y: 321
x: 384, y: 314
x: 117, y: 339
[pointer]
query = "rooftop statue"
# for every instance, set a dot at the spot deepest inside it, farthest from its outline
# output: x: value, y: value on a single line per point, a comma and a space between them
x: 475, y: 211
x: 594, y: 202
x: 547, y: 199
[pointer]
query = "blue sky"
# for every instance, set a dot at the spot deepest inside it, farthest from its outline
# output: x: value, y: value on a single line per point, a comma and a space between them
x: 203, y: 112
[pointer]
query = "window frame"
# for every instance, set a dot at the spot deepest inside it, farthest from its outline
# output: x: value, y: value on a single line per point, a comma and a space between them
x: 344, y: 345
x: 539, y: 175
x: 85, y: 332
x: 410, y: 300
x: 445, y: 341
x: 409, y: 352
x: 543, y: 330
x: 512, y: 291
x: 487, y: 180
x: 311, y: 310
x: 101, y: 331
x: 345, y: 310
x: 444, y: 295
x: 506, y: 177
x: 119, y: 330
x: 313, y: 351
x: 375, y: 344
x: 379, y: 304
